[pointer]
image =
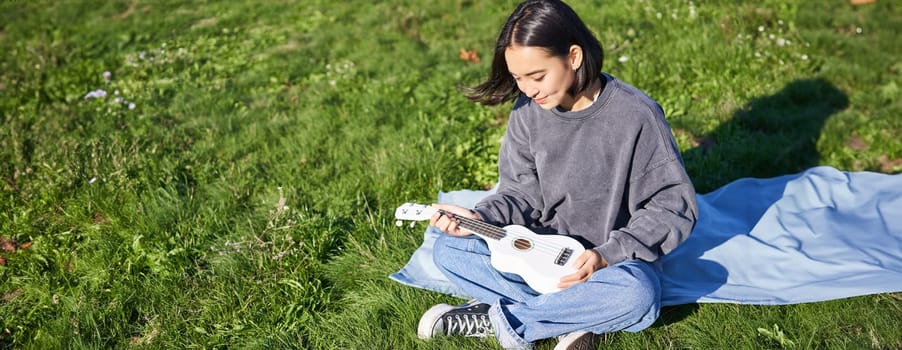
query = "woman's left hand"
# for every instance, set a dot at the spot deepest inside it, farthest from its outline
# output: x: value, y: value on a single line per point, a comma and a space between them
x: 586, y: 264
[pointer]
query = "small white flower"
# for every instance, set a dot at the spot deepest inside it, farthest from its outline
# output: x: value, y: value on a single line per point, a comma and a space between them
x: 92, y: 180
x: 107, y: 75
x: 804, y: 57
x: 623, y: 59
x: 760, y: 28
x: 781, y: 42
x: 858, y: 30
x: 96, y: 94
x: 131, y: 105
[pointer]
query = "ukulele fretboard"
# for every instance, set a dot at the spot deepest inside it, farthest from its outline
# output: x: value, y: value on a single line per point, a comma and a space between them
x: 479, y: 227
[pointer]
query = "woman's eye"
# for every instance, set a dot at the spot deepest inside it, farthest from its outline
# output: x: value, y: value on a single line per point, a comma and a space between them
x: 540, y: 78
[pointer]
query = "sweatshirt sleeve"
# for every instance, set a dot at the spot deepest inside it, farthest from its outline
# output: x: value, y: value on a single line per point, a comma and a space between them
x: 664, y: 213
x: 660, y: 198
x: 518, y: 200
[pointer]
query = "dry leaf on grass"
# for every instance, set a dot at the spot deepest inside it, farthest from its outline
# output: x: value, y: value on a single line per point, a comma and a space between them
x: 7, y: 245
x: 856, y: 143
x: 704, y: 143
x: 11, y: 246
x: 11, y: 295
x: 98, y: 218
x: 889, y: 165
x: 469, y: 56
x: 128, y: 12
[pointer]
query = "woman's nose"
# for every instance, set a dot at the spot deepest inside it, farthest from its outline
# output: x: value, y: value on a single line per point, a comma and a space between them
x: 528, y: 89
x: 531, y: 91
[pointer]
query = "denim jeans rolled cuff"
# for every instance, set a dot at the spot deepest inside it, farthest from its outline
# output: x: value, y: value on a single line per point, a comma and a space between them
x: 506, y: 334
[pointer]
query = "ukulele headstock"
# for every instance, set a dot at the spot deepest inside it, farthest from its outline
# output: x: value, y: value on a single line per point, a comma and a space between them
x: 413, y: 212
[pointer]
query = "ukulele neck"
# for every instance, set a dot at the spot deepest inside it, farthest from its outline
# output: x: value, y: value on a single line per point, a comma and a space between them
x: 476, y: 226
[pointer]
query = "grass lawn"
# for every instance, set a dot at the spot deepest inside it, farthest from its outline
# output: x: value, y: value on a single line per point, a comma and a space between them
x: 223, y: 174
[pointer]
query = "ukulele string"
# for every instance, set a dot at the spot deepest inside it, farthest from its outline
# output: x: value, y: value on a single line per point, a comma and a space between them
x: 498, y: 232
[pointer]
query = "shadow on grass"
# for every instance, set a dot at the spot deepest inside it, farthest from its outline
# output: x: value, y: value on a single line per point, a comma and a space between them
x: 771, y: 136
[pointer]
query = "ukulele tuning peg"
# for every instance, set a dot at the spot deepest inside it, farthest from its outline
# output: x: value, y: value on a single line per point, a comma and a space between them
x: 399, y: 223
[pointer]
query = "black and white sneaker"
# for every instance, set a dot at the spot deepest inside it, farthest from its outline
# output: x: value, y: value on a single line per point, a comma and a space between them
x: 581, y: 340
x: 469, y: 320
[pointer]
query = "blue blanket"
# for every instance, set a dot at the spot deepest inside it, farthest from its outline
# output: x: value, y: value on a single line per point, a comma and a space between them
x: 818, y: 235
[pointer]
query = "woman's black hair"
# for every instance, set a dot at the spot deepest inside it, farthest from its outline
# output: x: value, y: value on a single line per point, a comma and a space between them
x: 551, y: 25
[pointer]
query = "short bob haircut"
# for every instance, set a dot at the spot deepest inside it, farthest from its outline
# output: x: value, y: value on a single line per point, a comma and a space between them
x: 548, y: 24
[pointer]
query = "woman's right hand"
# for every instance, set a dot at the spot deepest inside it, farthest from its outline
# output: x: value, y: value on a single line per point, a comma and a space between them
x: 448, y: 224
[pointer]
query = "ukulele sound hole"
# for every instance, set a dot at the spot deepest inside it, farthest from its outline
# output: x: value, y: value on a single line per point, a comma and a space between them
x: 522, y: 244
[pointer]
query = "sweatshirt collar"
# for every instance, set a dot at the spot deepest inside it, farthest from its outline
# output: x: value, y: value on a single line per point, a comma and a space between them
x: 597, y: 105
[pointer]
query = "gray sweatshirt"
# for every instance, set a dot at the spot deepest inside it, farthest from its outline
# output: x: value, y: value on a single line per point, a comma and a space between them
x: 610, y: 174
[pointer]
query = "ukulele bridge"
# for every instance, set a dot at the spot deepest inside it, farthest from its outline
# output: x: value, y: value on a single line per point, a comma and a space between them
x: 563, y: 256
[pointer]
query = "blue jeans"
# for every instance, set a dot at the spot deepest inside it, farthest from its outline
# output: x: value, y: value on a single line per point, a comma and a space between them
x: 624, y: 296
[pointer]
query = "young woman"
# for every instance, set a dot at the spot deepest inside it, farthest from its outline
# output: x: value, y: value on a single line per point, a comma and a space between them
x: 584, y: 155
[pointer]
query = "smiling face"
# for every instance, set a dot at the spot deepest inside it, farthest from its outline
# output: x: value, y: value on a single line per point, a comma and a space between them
x: 545, y: 78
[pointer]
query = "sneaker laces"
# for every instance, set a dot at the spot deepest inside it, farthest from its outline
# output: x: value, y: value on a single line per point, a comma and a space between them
x: 469, y: 325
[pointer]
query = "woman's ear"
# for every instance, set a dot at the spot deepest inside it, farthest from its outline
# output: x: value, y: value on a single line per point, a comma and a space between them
x: 575, y: 57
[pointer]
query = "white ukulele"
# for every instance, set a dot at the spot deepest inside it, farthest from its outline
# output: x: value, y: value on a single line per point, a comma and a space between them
x: 541, y: 260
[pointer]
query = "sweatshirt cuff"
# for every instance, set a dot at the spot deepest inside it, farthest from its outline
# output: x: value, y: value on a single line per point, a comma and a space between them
x: 484, y: 216
x: 611, y: 251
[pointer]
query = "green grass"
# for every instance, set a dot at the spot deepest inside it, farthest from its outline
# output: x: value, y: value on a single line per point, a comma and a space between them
x: 246, y: 200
